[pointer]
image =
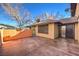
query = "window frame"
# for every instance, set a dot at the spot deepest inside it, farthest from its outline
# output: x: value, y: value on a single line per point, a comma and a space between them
x: 43, y: 29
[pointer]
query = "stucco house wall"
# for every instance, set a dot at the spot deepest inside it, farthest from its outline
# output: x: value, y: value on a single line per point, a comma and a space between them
x: 77, y: 24
x: 52, y: 31
x: 77, y: 32
x: 41, y: 34
x: 56, y: 31
x: 77, y: 10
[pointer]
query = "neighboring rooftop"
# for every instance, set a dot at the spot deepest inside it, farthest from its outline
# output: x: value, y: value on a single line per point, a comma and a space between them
x: 6, y: 26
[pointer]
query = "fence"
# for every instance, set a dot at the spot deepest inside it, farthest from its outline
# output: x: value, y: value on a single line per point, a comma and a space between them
x: 12, y: 34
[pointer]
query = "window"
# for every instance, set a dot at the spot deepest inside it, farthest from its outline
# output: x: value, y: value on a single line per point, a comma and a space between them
x: 43, y: 29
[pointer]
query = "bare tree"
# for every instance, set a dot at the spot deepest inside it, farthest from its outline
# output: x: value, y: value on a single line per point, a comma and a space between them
x: 68, y: 10
x: 15, y: 11
x: 45, y: 17
x: 58, y: 15
x: 49, y: 16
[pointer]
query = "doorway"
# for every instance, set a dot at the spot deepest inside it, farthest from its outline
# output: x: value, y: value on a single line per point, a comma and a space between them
x: 67, y: 31
x: 63, y: 31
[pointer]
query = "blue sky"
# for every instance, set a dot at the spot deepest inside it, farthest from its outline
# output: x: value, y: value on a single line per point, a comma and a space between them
x: 36, y: 9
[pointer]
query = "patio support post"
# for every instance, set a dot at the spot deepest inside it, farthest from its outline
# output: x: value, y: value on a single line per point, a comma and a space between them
x: 78, y: 30
x: 2, y: 36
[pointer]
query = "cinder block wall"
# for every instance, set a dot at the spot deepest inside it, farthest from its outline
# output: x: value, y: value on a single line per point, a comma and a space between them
x: 11, y: 34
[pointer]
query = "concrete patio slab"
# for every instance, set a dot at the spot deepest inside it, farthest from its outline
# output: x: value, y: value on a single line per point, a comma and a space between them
x: 38, y: 46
